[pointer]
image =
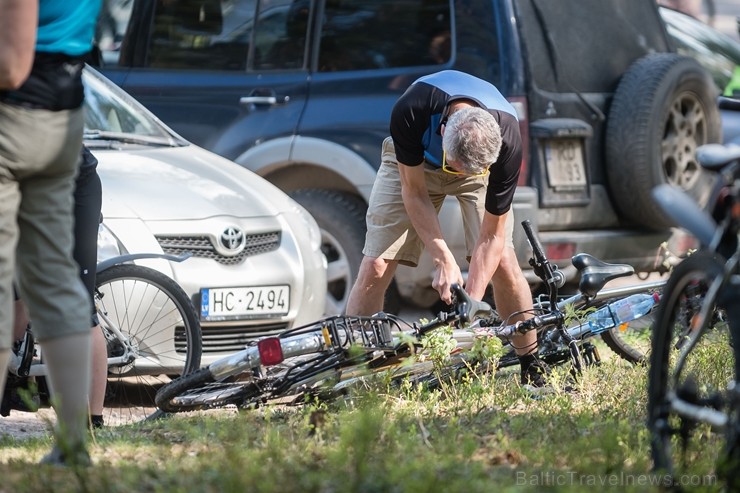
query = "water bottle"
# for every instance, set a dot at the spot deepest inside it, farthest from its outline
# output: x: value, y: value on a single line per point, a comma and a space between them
x: 620, y: 311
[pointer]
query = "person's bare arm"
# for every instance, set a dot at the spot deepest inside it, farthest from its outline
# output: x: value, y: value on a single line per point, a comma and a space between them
x: 423, y: 216
x: 487, y: 254
x: 18, y: 24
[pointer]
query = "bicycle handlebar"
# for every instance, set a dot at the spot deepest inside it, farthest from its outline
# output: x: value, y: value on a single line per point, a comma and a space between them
x: 536, y: 322
x: 539, y: 262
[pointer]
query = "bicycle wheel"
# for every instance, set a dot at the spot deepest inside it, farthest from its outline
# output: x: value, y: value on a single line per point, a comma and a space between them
x: 631, y: 340
x: 199, y: 391
x: 298, y: 376
x: 691, y: 365
x: 149, y: 323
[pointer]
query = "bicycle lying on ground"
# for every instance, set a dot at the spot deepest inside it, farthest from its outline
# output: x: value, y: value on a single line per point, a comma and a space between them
x: 695, y: 359
x: 325, y: 357
x: 152, y: 333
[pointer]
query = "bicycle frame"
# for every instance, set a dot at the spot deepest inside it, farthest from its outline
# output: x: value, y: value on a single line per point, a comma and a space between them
x: 580, y: 300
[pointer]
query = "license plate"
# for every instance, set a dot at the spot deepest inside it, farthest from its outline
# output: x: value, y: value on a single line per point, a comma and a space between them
x: 564, y: 161
x: 246, y: 302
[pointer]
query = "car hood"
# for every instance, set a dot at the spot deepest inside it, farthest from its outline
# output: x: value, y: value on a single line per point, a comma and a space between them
x: 186, y: 182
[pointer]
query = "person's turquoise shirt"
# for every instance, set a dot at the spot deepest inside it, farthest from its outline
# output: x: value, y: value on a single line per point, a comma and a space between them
x: 67, y: 26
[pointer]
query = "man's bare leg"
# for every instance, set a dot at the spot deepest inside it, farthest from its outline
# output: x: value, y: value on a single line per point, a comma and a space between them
x: 373, y: 279
x: 512, y: 294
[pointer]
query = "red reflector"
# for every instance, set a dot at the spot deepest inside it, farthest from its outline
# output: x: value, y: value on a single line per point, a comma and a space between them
x: 270, y: 351
x: 560, y: 251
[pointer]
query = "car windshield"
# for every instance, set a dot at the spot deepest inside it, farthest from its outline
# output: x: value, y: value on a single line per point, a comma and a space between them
x: 113, y: 115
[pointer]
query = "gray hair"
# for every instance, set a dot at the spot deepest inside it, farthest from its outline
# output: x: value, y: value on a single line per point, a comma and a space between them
x: 472, y: 137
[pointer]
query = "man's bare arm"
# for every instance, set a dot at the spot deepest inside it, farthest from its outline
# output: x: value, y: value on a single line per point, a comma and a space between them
x: 18, y: 24
x: 487, y: 254
x: 423, y: 216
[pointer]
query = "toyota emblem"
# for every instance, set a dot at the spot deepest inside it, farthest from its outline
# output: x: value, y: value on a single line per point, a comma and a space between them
x: 233, y: 240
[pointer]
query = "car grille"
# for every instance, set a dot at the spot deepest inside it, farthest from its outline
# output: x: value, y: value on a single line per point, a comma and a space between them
x: 202, y: 246
x: 229, y: 339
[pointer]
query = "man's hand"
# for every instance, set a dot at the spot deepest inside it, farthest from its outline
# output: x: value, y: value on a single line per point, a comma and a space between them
x: 446, y: 273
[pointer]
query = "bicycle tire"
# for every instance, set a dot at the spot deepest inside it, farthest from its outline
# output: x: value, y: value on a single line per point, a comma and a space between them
x: 200, y: 391
x: 154, y: 312
x: 631, y: 341
x: 684, y: 295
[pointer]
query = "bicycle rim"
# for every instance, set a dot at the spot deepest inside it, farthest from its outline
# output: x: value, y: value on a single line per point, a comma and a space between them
x: 689, y: 362
x: 155, y: 315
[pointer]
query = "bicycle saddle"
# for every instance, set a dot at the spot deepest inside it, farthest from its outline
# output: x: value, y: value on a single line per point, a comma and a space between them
x: 596, y: 273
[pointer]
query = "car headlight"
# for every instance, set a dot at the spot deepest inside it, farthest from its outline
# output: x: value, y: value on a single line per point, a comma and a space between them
x: 108, y: 244
x: 314, y: 233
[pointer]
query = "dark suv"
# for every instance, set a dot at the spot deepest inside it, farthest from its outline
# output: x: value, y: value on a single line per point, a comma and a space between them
x: 301, y: 91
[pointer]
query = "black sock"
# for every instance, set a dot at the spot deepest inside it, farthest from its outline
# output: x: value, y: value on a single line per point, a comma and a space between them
x: 527, y: 359
x: 96, y: 421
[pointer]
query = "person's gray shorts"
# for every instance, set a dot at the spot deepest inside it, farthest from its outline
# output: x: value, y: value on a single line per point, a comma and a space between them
x: 39, y: 152
x: 390, y: 234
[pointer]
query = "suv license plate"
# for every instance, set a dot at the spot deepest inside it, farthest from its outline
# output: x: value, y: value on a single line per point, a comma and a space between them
x: 564, y: 161
x: 244, y: 302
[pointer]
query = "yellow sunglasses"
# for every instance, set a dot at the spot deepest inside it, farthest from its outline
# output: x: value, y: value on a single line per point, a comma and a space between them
x: 451, y: 171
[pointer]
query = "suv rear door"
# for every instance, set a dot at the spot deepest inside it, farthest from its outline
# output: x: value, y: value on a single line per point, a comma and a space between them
x: 249, y: 56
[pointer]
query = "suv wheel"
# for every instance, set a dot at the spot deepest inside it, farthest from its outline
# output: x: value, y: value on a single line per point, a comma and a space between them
x: 341, y: 218
x: 664, y: 108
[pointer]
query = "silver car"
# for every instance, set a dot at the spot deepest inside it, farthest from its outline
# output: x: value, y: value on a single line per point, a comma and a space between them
x: 256, y: 267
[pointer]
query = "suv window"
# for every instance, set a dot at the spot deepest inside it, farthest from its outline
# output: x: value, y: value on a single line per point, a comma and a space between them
x: 239, y: 35
x: 368, y: 34
x: 216, y: 35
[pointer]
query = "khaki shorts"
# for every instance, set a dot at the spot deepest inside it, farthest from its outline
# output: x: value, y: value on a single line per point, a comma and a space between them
x: 390, y: 234
x: 39, y: 153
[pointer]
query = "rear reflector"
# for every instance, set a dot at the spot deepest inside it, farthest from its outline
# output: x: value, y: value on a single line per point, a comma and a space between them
x: 271, y: 353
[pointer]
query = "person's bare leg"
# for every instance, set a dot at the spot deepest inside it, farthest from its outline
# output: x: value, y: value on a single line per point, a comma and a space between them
x: 4, y: 358
x: 68, y: 362
x: 99, y: 377
x: 373, y: 279
x: 512, y: 294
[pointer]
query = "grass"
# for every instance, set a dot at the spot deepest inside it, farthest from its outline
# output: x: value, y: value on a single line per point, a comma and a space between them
x: 480, y: 435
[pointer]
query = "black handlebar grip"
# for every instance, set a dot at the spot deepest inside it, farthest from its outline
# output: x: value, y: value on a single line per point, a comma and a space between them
x: 537, y: 251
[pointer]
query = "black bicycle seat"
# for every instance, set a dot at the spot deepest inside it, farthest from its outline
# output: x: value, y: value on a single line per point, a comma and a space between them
x: 596, y: 273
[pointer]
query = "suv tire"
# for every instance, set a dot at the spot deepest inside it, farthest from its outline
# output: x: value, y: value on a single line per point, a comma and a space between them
x: 341, y: 218
x: 663, y: 109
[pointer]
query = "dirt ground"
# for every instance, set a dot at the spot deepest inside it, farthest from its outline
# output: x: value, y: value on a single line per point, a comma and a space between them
x: 20, y: 425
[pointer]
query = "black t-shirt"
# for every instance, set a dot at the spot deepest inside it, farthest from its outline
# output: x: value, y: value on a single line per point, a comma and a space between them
x: 415, y: 129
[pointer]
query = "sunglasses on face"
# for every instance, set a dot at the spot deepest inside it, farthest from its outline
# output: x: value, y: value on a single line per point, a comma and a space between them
x: 447, y: 169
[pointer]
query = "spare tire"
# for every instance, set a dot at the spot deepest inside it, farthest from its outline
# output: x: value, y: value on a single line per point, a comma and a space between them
x: 664, y: 108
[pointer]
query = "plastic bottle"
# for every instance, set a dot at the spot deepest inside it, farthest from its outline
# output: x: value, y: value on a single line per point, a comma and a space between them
x: 620, y: 311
